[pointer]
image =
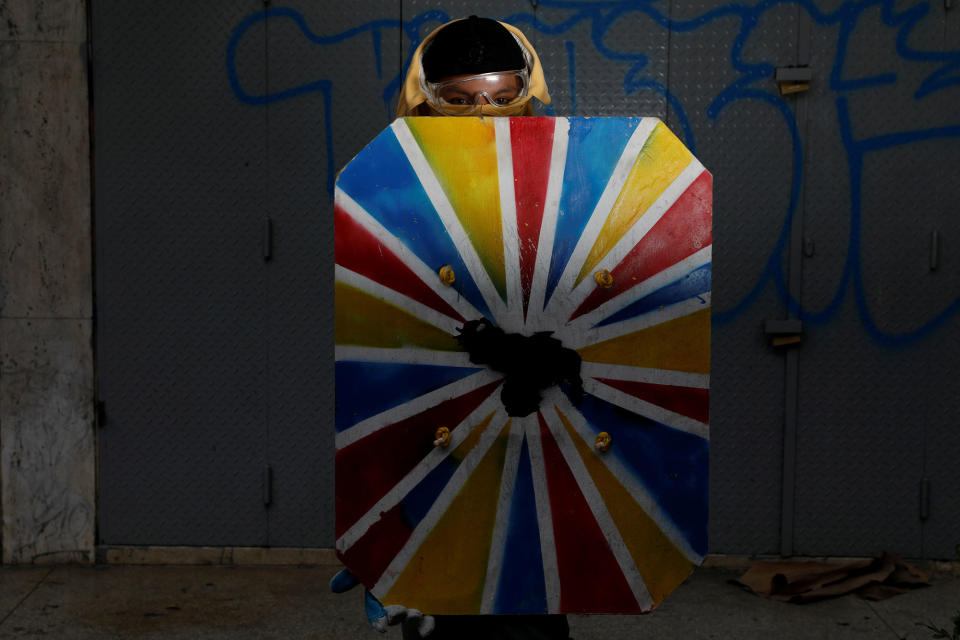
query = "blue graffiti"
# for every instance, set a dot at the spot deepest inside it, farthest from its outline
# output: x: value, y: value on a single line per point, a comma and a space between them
x: 600, y: 17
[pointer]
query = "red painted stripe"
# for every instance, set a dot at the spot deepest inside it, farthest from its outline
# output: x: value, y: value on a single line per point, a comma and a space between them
x: 687, y: 401
x: 683, y: 230
x: 367, y: 469
x: 590, y: 578
x: 369, y: 557
x: 359, y: 250
x: 532, y: 142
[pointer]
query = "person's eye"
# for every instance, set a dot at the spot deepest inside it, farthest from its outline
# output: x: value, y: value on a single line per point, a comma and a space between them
x: 502, y: 101
x: 457, y: 101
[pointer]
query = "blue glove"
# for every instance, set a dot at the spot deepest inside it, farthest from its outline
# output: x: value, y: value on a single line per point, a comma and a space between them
x: 380, y: 617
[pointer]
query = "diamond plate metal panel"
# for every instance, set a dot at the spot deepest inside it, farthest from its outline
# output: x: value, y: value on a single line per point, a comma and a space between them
x: 166, y: 117
x: 311, y: 135
x: 859, y: 446
x: 180, y: 189
x: 826, y: 179
x: 603, y: 62
x: 746, y: 142
x: 182, y: 377
x: 901, y: 291
x: 940, y: 531
x: 830, y: 425
x: 951, y: 29
x: 905, y: 201
x: 868, y: 288
x: 866, y: 378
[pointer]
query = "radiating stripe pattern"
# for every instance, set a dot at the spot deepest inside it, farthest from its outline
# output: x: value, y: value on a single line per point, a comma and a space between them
x: 598, y: 230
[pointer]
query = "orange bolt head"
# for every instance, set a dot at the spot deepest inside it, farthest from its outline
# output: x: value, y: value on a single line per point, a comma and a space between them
x: 447, y: 276
x: 603, y: 441
x: 603, y: 278
x: 442, y: 437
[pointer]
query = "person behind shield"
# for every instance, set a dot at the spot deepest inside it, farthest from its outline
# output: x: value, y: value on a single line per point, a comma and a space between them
x: 473, y: 67
x: 469, y: 67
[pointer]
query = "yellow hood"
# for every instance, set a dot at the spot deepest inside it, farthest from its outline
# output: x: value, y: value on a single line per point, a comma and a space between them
x: 413, y: 99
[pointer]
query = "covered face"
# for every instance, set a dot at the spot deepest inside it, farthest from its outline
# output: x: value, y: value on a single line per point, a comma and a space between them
x: 465, y: 94
x: 474, y: 66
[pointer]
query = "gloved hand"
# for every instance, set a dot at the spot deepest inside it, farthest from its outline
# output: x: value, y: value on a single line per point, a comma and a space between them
x: 381, y: 617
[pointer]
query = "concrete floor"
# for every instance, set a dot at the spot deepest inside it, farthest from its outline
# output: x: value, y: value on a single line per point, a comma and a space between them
x: 293, y: 602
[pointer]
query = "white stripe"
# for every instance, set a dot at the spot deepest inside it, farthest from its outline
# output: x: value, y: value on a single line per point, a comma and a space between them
x: 634, y: 234
x: 440, y: 505
x: 548, y: 227
x: 647, y: 409
x: 654, y: 283
x: 418, y: 473
x: 405, y: 355
x: 597, y: 335
x: 600, y: 513
x: 431, y: 185
x: 548, y: 549
x: 600, y: 213
x: 405, y: 255
x: 498, y: 543
x: 418, y: 405
x: 513, y: 321
x: 392, y: 296
x: 643, y: 374
x: 630, y: 481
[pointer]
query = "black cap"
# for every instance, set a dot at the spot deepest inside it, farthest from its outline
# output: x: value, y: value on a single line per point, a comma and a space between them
x: 472, y: 45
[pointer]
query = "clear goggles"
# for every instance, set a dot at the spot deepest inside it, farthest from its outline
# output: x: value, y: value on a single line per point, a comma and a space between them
x: 465, y: 95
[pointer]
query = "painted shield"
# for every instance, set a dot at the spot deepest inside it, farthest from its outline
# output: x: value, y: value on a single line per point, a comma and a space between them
x: 550, y: 238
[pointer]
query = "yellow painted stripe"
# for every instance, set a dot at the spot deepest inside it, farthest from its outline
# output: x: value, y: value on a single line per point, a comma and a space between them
x: 658, y: 560
x: 463, y: 155
x: 662, y: 158
x: 682, y: 344
x: 446, y: 574
x: 472, y: 438
x: 365, y: 320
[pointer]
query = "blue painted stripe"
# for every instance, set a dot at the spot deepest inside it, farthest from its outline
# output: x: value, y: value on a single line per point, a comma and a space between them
x: 420, y: 499
x: 594, y: 146
x: 522, y: 588
x: 365, y: 389
x: 695, y: 283
x: 382, y: 181
x: 671, y: 464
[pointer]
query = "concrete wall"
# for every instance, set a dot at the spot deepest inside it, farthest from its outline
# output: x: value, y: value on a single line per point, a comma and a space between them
x: 47, y: 438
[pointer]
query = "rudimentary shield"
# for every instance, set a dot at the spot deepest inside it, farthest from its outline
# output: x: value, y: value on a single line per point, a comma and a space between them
x: 476, y: 258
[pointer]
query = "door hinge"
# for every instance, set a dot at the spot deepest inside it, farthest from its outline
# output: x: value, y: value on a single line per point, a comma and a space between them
x: 784, y: 332
x: 101, y: 413
x: 793, y: 79
x: 924, y: 498
x: 267, y: 485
